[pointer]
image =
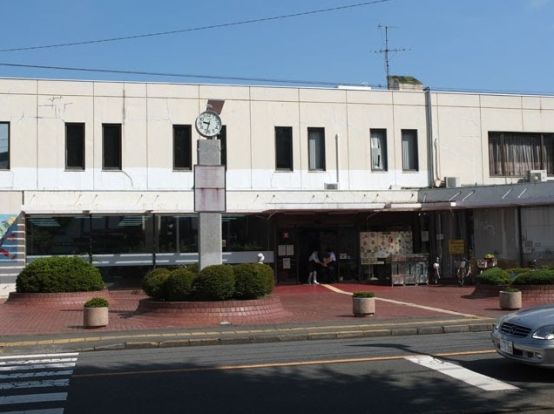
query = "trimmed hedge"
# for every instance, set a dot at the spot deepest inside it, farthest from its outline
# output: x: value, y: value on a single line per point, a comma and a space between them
x: 153, y: 283
x: 250, y: 281
x: 97, y: 303
x: 535, y: 277
x: 59, y: 274
x: 179, y: 284
x: 494, y: 276
x: 267, y: 273
x: 216, y: 282
x: 363, y: 295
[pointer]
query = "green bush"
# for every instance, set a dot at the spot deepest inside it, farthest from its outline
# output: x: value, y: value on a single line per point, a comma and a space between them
x: 267, y: 272
x: 59, y: 274
x: 250, y: 281
x: 535, y: 277
x: 193, y: 267
x: 97, y: 303
x: 216, y: 282
x: 363, y: 295
x: 153, y: 283
x: 494, y: 276
x: 517, y: 270
x: 179, y: 284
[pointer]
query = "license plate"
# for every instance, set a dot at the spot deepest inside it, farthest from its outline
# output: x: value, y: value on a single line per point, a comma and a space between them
x: 506, y: 346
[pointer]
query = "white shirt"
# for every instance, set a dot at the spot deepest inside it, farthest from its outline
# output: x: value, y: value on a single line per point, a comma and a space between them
x: 314, y: 257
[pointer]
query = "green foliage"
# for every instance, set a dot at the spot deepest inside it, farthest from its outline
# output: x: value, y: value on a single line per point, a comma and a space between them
x: 216, y: 282
x: 494, y: 276
x: 250, y: 281
x: 153, y: 283
x: 97, y: 303
x: 363, y: 295
x: 517, y: 270
x: 179, y: 284
x: 510, y: 290
x: 193, y: 267
x: 59, y: 274
x: 267, y: 272
x: 535, y: 277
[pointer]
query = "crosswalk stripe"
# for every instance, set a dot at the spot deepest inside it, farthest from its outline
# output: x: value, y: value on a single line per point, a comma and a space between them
x: 46, y: 411
x: 65, y: 354
x: 37, y: 366
x: 17, y: 385
x: 36, y: 361
x: 33, y: 398
x: 39, y: 374
x: 463, y: 374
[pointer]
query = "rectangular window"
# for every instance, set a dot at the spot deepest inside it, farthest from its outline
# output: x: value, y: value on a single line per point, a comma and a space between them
x: 223, y: 142
x: 182, y: 147
x: 409, y: 150
x: 4, y: 146
x: 111, y: 146
x: 283, y: 148
x: 75, y: 146
x: 316, y: 149
x: 378, y: 138
x: 515, y: 153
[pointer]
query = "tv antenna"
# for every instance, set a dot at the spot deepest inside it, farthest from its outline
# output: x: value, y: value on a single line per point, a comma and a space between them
x: 387, y: 50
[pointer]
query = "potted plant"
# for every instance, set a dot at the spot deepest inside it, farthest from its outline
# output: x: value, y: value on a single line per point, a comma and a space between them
x: 510, y: 298
x: 363, y: 303
x: 95, y: 313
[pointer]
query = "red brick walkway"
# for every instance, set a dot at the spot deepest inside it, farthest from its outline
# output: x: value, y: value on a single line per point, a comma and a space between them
x: 304, y: 304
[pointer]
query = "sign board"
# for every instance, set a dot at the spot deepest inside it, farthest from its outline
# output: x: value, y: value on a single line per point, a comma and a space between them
x: 209, y: 189
x: 456, y: 247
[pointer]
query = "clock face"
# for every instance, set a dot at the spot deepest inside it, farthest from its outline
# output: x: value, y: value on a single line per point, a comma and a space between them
x: 208, y: 124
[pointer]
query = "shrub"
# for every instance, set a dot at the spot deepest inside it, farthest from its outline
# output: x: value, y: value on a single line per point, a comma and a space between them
x: 250, y: 281
x: 153, y: 283
x: 494, y: 276
x: 59, y: 274
x: 535, y: 277
x: 216, y: 282
x: 179, y: 284
x: 510, y: 290
x: 96, y: 303
x: 267, y: 273
x: 363, y: 295
x: 193, y: 267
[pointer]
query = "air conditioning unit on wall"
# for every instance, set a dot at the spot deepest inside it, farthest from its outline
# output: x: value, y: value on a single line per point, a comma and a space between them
x: 537, y: 176
x: 452, y: 182
x: 331, y: 186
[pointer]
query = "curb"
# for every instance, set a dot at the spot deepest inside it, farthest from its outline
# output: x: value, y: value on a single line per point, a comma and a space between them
x: 186, y: 339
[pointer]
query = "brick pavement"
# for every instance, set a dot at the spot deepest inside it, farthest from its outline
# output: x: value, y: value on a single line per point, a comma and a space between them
x: 304, y: 304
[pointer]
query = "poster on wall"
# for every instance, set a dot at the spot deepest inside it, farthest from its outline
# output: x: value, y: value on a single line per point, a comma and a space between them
x: 8, y: 250
x: 374, y: 246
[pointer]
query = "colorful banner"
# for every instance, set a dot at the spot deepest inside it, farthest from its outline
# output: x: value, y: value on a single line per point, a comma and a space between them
x: 8, y: 245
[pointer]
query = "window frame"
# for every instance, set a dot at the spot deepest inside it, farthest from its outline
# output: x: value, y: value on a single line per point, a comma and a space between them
x: 188, y: 157
x: 323, y: 155
x: 83, y: 166
x: 416, y: 150
x: 7, y: 168
x: 291, y: 152
x: 120, y: 163
x: 384, y: 152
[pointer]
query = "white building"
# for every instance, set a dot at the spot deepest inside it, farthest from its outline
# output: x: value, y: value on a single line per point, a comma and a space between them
x: 104, y: 170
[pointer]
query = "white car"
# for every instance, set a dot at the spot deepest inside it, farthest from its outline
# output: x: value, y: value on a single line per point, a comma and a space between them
x: 526, y: 336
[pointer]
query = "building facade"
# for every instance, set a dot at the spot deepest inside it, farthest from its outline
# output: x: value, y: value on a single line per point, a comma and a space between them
x: 104, y: 170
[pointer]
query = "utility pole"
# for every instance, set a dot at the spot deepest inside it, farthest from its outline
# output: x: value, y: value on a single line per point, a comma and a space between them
x: 387, y: 50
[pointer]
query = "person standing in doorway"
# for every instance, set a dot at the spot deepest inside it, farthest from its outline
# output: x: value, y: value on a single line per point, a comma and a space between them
x: 330, y: 261
x: 313, y: 264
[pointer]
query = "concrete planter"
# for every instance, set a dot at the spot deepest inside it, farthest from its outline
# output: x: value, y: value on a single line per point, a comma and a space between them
x: 510, y: 300
x: 95, y: 317
x: 363, y: 306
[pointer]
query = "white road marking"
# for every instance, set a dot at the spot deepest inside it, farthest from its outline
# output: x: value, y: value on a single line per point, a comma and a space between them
x: 46, y: 411
x: 37, y: 366
x: 33, y: 398
x: 66, y: 354
x: 463, y: 374
x: 17, y: 385
x: 36, y: 374
x: 36, y: 361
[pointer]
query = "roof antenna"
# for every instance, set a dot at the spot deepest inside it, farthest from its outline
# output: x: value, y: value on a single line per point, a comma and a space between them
x: 386, y: 51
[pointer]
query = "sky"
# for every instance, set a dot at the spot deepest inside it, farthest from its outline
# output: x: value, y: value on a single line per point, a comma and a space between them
x: 482, y: 45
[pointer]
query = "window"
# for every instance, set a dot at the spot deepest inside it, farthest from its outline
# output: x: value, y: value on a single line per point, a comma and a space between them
x: 182, y: 147
x: 409, y: 150
x: 4, y: 146
x: 515, y: 153
x: 283, y: 148
x: 74, y: 146
x: 223, y: 142
x: 378, y: 138
x: 111, y: 146
x: 316, y: 149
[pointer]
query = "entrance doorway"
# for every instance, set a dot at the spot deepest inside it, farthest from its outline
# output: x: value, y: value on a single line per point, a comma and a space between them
x: 311, y: 239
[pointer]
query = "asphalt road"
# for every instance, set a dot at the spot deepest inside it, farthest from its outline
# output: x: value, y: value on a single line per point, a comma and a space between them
x: 444, y: 374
